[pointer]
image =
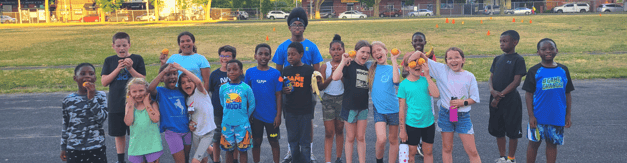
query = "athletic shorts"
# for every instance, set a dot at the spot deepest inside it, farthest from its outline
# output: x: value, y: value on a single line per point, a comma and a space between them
x: 272, y: 133
x: 331, y: 107
x: 352, y: 116
x: 415, y: 134
x: 177, y: 141
x: 117, y: 127
x: 151, y: 157
x: 506, y: 120
x: 389, y: 119
x: 552, y: 134
x: 239, y: 135
x: 217, y: 133
x: 201, y: 143
x: 98, y: 155
x: 462, y: 126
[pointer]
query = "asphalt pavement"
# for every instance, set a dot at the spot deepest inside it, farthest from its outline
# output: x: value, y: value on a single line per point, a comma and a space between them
x: 30, y: 126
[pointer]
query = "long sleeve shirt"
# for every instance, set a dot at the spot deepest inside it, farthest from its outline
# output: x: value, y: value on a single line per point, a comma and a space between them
x: 238, y: 102
x: 83, y: 121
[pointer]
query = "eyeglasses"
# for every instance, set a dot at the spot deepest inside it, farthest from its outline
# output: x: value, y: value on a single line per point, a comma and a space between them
x: 225, y: 56
x: 297, y: 25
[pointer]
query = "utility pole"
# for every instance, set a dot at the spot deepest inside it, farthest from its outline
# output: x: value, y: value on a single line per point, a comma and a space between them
x: 19, y: 10
x: 47, y: 11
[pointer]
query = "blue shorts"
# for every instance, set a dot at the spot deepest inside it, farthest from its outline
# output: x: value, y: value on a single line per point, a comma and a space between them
x: 389, y: 119
x: 352, y: 116
x: 241, y: 135
x: 462, y: 126
x: 552, y: 134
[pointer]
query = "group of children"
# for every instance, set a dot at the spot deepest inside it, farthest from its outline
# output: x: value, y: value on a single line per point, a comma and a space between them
x: 240, y: 107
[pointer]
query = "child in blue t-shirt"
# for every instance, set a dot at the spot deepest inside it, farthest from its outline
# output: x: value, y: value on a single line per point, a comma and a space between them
x: 548, y: 98
x: 267, y: 89
x: 238, y: 101
x: 174, y: 117
x: 415, y: 115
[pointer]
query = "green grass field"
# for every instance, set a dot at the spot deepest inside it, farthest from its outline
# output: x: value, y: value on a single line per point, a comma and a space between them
x: 576, y: 35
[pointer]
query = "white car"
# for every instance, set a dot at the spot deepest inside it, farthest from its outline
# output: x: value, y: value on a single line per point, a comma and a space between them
x: 143, y: 17
x: 421, y: 12
x: 609, y: 7
x: 7, y: 19
x: 352, y: 14
x: 519, y: 10
x: 572, y: 7
x: 277, y: 15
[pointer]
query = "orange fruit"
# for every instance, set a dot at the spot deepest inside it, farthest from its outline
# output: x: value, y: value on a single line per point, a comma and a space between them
x: 395, y: 51
x: 85, y: 84
x: 421, y: 61
x: 352, y: 54
x: 412, y: 64
x: 165, y: 51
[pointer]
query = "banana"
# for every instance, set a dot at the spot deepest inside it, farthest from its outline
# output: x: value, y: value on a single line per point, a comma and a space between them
x: 314, y: 82
x: 429, y: 52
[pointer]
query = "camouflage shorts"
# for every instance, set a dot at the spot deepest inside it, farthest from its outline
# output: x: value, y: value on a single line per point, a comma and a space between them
x: 331, y: 107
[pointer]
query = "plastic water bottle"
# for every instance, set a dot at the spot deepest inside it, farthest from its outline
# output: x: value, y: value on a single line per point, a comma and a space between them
x: 288, y: 83
x: 403, y: 152
x: 453, y: 111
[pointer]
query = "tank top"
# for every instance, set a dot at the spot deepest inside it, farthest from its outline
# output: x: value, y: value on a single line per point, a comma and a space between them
x: 335, y: 87
x: 145, y: 137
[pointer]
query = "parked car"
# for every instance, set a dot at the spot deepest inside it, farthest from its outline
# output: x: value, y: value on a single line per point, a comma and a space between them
x: 7, y: 19
x: 519, y: 10
x: 117, y: 18
x: 421, y: 12
x: 327, y: 14
x: 90, y: 18
x: 352, y: 14
x: 241, y: 15
x: 391, y: 13
x: 277, y: 15
x: 145, y: 17
x: 610, y: 7
x: 488, y: 10
x: 572, y: 7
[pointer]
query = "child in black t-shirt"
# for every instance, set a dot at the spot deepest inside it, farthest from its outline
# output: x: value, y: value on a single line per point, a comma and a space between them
x: 298, y: 109
x: 505, y: 102
x: 117, y: 70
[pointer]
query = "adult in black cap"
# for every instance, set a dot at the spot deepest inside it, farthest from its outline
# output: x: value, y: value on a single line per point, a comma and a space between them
x: 297, y: 23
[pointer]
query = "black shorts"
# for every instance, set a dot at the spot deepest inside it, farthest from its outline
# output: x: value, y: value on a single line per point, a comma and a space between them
x: 217, y: 135
x: 117, y: 127
x: 506, y: 120
x: 98, y: 155
x: 414, y: 134
x: 273, y: 134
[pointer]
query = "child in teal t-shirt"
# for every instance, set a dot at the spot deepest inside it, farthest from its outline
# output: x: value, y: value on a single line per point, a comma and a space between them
x: 415, y: 115
x: 142, y: 117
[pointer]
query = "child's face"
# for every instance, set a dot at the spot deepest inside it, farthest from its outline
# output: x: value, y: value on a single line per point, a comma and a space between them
x: 293, y: 56
x: 379, y: 54
x: 121, y: 47
x: 138, y: 92
x: 225, y: 57
x: 297, y: 28
x: 336, y: 52
x: 547, y: 51
x: 186, y: 45
x: 362, y: 55
x: 507, y: 43
x: 233, y: 72
x: 416, y: 71
x: 170, y: 78
x: 455, y: 61
x: 188, y: 85
x: 263, y: 56
x: 85, y: 74
x: 418, y: 42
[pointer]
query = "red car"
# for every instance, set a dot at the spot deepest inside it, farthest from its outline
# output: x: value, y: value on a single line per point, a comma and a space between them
x: 391, y: 13
x: 91, y: 18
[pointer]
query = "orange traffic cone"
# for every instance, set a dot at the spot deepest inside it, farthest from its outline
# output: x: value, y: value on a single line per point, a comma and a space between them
x: 462, y: 22
x: 273, y: 29
x: 446, y: 20
x: 521, y: 21
x: 529, y: 21
x: 513, y: 20
x: 488, y: 33
x: 267, y: 39
x: 481, y: 21
x: 436, y: 25
x: 453, y: 21
x: 490, y: 18
x: 599, y: 14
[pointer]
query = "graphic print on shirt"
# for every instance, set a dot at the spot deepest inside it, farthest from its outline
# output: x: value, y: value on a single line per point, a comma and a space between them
x: 385, y: 78
x: 297, y: 80
x: 552, y: 83
x: 224, y: 80
x: 123, y: 75
x: 179, y: 105
x: 362, y: 79
x: 233, y: 101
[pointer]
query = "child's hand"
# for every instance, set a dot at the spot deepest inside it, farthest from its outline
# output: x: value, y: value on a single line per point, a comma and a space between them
x: 403, y: 136
x: 533, y: 122
x: 346, y: 59
x: 128, y: 63
x: 176, y: 66
x: 192, y: 126
x: 568, y: 122
x: 287, y: 90
x: 497, y: 95
x: 457, y: 103
x: 494, y: 103
x: 91, y: 89
x: 63, y: 156
x: 190, y: 112
x: 395, y: 57
x: 147, y: 100
x: 120, y: 64
x: 277, y: 121
x: 163, y: 58
x: 425, y: 69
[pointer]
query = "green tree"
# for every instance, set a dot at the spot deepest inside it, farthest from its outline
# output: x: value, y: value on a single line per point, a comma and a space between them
x: 372, y: 3
x: 266, y: 6
x: 109, y: 5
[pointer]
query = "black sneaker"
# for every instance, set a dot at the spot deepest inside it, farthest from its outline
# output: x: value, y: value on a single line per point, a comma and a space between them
x: 339, y: 160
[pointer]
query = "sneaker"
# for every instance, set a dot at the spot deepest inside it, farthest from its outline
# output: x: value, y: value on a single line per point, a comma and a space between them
x: 501, y: 160
x: 420, y: 151
x: 287, y: 158
x: 313, y: 158
x: 511, y: 161
x: 339, y: 160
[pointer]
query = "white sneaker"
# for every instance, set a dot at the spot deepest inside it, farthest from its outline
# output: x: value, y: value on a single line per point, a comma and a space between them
x: 288, y: 157
x: 501, y: 160
x: 511, y: 161
x: 313, y: 159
